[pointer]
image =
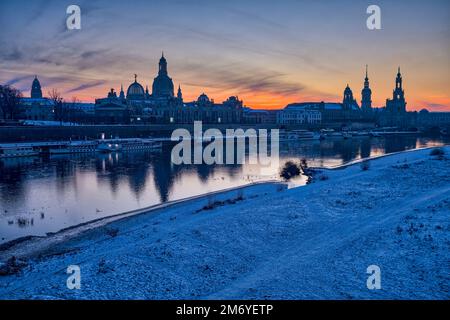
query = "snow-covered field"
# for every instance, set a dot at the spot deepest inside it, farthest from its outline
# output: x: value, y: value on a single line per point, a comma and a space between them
x: 312, y: 242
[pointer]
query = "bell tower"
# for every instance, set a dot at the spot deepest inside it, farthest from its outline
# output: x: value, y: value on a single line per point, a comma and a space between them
x: 398, y: 103
x: 366, y: 94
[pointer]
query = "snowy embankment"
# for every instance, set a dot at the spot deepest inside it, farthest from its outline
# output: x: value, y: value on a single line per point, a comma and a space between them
x: 312, y: 242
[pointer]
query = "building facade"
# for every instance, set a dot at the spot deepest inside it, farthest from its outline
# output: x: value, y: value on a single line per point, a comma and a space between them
x: 300, y: 114
x: 163, y: 106
x: 429, y: 119
x: 325, y: 113
x: 37, y: 107
x: 395, y: 114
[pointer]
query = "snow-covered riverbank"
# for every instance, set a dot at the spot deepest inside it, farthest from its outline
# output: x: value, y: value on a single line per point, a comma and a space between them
x: 309, y: 242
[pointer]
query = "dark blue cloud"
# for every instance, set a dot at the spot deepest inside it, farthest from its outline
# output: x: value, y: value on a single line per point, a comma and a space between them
x: 87, y: 86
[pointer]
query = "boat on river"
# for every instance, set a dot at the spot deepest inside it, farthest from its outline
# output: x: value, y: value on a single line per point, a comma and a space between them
x: 10, y: 150
x: 330, y: 133
x: 17, y: 150
x: 298, y: 135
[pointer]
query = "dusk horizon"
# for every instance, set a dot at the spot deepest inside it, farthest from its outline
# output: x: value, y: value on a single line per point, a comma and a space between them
x: 262, y: 54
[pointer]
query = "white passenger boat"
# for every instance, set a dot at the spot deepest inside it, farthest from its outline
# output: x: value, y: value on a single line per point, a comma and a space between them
x: 74, y: 147
x: 106, y: 147
x: 375, y: 134
x: 360, y: 133
x: 347, y: 135
x: 299, y: 135
x: 131, y: 144
x: 330, y: 133
x: 17, y: 150
x: 10, y: 150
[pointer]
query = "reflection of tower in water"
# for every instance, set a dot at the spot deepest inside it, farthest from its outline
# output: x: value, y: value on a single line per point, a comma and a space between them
x: 163, y: 176
x: 365, y: 147
x: 396, y: 143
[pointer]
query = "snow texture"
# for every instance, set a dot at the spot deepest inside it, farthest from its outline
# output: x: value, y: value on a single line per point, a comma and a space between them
x: 311, y: 242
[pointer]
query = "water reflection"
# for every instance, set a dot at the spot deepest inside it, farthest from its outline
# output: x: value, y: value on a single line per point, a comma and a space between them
x: 39, y: 195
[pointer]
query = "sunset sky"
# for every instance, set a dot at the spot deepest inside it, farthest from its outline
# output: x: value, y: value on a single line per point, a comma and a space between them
x: 269, y: 53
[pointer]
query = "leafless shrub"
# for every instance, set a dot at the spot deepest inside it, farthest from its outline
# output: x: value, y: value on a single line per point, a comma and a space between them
x: 22, y: 222
x: 290, y: 170
x: 365, y: 165
x: 103, y: 267
x: 112, y: 232
x: 12, y: 266
x: 437, y: 152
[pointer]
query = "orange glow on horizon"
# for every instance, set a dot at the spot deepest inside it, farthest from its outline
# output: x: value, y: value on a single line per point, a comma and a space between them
x: 417, y: 97
x: 270, y: 101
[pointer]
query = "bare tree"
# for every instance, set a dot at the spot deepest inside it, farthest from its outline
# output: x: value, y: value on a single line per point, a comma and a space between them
x: 9, y: 102
x: 71, y: 110
x: 58, y: 104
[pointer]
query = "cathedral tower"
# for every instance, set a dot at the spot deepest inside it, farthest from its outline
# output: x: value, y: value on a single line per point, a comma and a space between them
x: 398, y: 103
x: 163, y: 84
x: 366, y: 95
x: 179, y: 94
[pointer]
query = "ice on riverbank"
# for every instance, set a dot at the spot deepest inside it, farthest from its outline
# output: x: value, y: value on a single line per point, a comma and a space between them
x: 309, y: 242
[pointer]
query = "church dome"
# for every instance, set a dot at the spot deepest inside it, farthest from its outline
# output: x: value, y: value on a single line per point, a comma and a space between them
x: 135, y: 91
x: 163, y: 86
x: 36, y: 91
x: 203, y: 98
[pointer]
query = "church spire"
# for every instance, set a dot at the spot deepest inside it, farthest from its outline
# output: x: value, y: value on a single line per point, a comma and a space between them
x: 366, y: 93
x: 122, y: 93
x: 162, y: 65
x: 179, y: 94
x: 366, y: 79
x: 398, y: 80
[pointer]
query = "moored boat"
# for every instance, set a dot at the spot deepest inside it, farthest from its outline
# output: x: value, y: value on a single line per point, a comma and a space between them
x: 299, y: 135
x: 74, y: 147
x: 330, y: 133
x: 347, y: 135
x: 375, y: 134
x: 128, y: 144
x: 136, y: 144
x: 19, y: 150
x: 106, y: 147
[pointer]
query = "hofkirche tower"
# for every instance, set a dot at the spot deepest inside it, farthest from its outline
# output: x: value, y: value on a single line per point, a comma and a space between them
x: 398, y: 103
x: 366, y: 95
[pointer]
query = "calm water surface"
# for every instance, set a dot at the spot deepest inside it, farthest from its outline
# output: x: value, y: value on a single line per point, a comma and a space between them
x: 40, y: 195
